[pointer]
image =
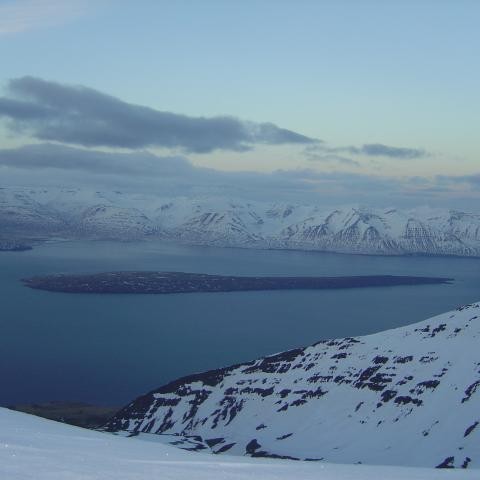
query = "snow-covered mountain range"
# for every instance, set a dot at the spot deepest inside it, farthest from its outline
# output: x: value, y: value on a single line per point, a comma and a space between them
x: 80, y: 213
x: 408, y: 396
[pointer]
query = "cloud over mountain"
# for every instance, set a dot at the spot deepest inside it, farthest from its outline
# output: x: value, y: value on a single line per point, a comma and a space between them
x: 141, y: 171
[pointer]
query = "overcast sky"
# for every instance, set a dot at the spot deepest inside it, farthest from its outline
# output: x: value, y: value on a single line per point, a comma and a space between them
x: 340, y: 101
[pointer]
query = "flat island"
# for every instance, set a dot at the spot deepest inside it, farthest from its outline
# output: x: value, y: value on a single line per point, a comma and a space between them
x: 180, y: 282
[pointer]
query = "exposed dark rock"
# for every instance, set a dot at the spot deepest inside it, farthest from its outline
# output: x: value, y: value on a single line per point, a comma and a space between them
x: 225, y: 448
x: 211, y: 442
x: 387, y: 395
x: 406, y: 359
x: 380, y: 360
x: 447, y: 463
x: 405, y: 400
x: 471, y: 389
x: 470, y: 429
x: 252, y: 446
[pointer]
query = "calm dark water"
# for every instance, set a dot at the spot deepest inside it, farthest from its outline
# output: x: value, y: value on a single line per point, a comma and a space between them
x: 111, y: 348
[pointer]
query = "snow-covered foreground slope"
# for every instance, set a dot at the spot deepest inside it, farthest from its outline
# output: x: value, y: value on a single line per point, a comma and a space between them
x: 408, y: 396
x: 32, y: 448
x: 225, y: 222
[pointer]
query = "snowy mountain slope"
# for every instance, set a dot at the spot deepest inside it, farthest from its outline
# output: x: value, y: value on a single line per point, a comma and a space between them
x: 234, y: 223
x: 35, y: 448
x: 109, y: 221
x: 409, y: 396
x: 21, y: 212
x: 204, y: 223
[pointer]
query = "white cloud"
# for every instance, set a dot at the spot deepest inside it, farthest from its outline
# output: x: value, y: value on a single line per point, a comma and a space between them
x: 22, y: 15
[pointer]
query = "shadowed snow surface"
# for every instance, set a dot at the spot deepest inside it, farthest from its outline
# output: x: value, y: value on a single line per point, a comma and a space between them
x: 32, y: 448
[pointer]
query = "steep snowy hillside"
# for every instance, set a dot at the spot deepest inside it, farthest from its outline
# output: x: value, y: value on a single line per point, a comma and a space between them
x: 32, y: 448
x: 225, y: 222
x: 21, y: 213
x: 409, y: 396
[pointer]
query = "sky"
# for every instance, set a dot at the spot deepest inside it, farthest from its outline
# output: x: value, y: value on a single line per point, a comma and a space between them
x: 309, y: 100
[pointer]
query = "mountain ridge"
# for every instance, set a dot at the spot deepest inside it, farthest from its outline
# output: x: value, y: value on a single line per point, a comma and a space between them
x: 407, y: 396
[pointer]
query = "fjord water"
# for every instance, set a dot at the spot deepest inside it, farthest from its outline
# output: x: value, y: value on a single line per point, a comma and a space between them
x: 110, y: 348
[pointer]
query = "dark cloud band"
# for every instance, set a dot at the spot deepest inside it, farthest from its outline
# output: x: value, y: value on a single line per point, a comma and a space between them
x: 380, y: 150
x: 83, y: 116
